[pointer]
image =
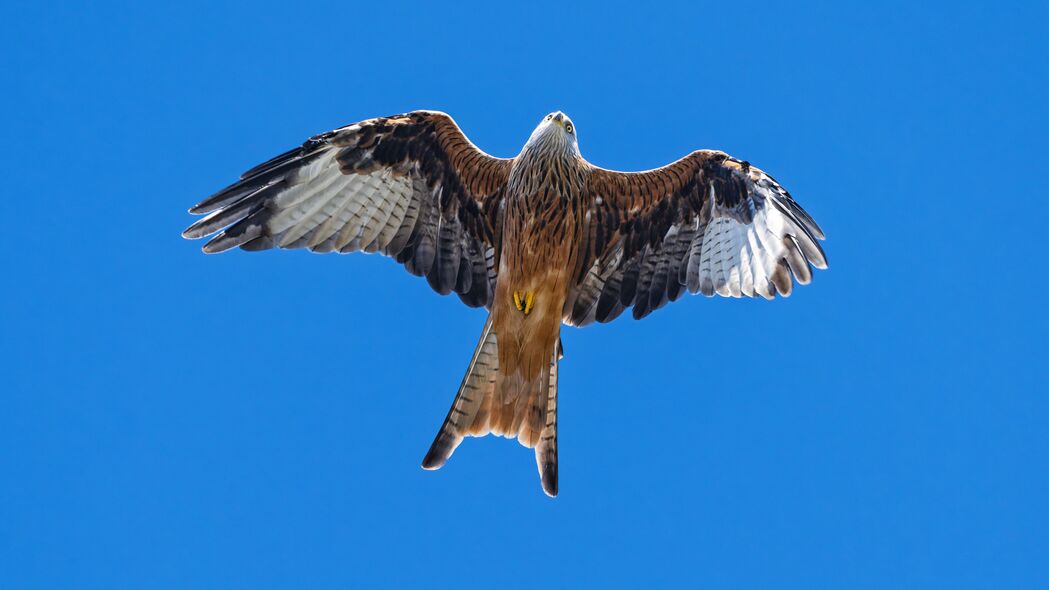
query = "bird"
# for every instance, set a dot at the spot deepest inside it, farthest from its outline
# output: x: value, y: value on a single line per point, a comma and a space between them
x: 540, y: 240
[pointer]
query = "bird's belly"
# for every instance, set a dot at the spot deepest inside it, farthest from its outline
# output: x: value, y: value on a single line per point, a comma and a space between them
x: 531, y: 287
x: 536, y: 251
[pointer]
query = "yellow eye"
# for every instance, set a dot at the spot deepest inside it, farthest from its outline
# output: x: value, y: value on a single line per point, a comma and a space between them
x: 569, y: 128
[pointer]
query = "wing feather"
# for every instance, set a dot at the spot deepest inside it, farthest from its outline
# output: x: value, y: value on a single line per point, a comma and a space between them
x: 707, y: 223
x: 410, y: 186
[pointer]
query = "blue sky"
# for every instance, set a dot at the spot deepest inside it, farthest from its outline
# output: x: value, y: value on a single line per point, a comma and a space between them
x: 170, y: 420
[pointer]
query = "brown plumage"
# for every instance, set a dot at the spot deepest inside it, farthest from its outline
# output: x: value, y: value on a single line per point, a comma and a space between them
x: 539, y: 240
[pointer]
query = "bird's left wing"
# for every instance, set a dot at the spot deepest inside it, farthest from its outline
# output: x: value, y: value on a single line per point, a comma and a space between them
x: 707, y: 223
x: 410, y: 186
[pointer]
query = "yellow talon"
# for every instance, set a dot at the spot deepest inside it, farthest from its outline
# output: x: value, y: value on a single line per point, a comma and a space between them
x: 524, y: 301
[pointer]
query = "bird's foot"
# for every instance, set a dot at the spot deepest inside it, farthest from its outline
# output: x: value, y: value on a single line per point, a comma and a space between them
x: 524, y: 301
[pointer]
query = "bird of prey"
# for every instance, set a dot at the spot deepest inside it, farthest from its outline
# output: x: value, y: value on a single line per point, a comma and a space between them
x: 539, y: 240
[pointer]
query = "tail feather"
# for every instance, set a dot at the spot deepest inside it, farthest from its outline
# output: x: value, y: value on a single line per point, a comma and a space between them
x: 472, y: 406
x: 546, y: 446
x: 490, y: 403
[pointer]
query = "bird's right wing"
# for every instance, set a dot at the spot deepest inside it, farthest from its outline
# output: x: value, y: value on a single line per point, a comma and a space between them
x: 410, y: 186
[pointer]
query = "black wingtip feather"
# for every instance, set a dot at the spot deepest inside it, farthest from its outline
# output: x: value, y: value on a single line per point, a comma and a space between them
x: 270, y: 173
x: 242, y: 232
x: 220, y: 219
x: 273, y: 162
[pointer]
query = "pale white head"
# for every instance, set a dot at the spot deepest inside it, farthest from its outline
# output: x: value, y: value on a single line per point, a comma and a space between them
x: 555, y: 131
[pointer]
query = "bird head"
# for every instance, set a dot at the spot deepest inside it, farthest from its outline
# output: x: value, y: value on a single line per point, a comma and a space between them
x: 556, y: 130
x: 561, y: 120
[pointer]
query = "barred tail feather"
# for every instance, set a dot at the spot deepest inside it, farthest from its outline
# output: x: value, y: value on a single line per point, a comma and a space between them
x: 546, y: 448
x: 489, y: 403
x: 470, y: 410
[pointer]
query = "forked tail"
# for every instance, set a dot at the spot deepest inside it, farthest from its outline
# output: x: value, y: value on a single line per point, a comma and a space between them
x: 490, y: 403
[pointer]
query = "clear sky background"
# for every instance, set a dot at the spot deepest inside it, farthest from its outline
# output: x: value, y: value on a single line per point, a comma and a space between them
x: 170, y: 420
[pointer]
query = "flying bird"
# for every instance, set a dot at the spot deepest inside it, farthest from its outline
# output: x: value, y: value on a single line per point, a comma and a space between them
x: 539, y: 240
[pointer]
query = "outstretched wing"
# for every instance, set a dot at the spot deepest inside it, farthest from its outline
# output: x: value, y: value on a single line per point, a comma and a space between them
x: 707, y: 223
x: 410, y: 186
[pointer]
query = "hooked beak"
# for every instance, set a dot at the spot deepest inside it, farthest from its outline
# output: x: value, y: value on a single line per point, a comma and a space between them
x: 559, y: 118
